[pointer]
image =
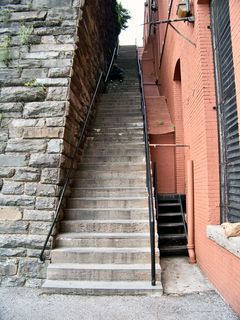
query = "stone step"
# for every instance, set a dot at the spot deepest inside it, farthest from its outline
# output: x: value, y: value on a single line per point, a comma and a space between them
x: 108, y: 226
x: 116, y: 145
x: 110, y: 124
x: 117, y: 138
x: 100, y: 288
x: 118, y: 112
x: 137, y: 155
x: 113, y: 158
x: 101, y: 255
x: 116, y: 166
x: 106, y: 213
x: 120, y: 107
x: 112, y: 202
x: 117, y: 118
x: 103, y: 272
x: 103, y: 192
x: 95, y: 174
x: 104, y: 183
x: 94, y: 239
x: 116, y: 130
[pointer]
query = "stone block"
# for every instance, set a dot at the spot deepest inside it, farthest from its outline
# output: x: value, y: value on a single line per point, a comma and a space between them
x: 20, y: 145
x: 31, y: 189
x: 43, y: 133
x: 56, y: 63
x: 4, y: 135
x: 8, y: 267
x: 15, y: 133
x: 24, y: 94
x: 44, y: 160
x: 7, y: 160
x: 24, y: 241
x: 32, y: 268
x: 44, y: 109
x: 78, y: 3
x: 23, y: 123
x: 29, y: 73
x: 52, y: 47
x: 46, y: 203
x: 57, y: 93
x: 17, y: 252
x: 65, y: 38
x: 54, y: 146
x: 14, y: 227
x: 28, y: 174
x: 40, y: 55
x: 48, y: 39
x: 50, y: 175
x: 6, y: 172
x: 41, y: 228
x: 10, y: 213
x: 38, y: 215
x: 10, y: 187
x: 55, y: 122
x: 51, y: 3
x: 34, y: 283
x: 28, y: 16
x: 16, y: 200
x: 11, y: 107
x: 14, y: 281
x: 59, y: 72
x: 53, y: 82
x: 9, y: 74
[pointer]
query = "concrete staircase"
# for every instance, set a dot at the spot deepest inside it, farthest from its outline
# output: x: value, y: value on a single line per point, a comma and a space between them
x: 104, y: 247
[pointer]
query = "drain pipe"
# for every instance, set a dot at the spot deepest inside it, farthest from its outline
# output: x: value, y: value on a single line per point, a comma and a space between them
x: 190, y: 212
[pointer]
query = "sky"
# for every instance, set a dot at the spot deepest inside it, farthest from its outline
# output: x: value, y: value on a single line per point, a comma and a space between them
x: 134, y: 32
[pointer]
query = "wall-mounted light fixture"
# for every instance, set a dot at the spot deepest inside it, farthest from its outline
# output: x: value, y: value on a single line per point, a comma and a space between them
x: 183, y: 9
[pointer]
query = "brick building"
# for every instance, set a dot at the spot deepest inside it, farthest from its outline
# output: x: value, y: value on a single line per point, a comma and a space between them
x: 192, y: 88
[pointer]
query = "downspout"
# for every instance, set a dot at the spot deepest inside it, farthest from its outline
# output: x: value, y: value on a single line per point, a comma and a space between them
x: 190, y: 212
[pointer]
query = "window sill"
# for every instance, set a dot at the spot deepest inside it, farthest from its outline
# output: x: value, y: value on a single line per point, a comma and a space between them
x: 216, y: 234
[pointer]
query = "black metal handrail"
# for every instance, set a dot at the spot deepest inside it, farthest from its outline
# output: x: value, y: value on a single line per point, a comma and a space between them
x: 155, y: 185
x: 149, y: 178
x: 80, y: 140
x: 183, y: 217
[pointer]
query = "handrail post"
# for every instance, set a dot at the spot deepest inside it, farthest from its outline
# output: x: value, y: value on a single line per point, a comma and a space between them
x: 149, y: 178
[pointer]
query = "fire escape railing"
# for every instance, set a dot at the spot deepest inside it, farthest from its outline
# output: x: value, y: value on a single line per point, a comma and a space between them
x: 79, y: 142
x: 149, y: 177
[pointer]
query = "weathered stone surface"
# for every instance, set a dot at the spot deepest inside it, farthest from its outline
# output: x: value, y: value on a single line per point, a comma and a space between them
x: 28, y: 174
x: 24, y: 122
x: 56, y: 63
x: 66, y: 38
x: 18, y: 252
x: 44, y: 109
x: 55, y: 122
x: 3, y: 146
x: 50, y: 175
x: 24, y: 241
x: 10, y: 187
x: 34, y: 283
x: 28, y: 15
x: 11, y: 107
x: 38, y: 215
x: 41, y: 228
x: 32, y: 268
x: 57, y: 93
x: 15, y: 133
x: 18, y: 94
x: 13, y: 160
x: 9, y: 74
x: 52, y: 47
x: 43, y: 133
x: 59, y: 72
x: 45, y: 203
x: 10, y: 213
x: 8, y: 267
x: 16, y: 200
x: 54, y: 146
x: 31, y: 73
x: 40, y: 55
x: 44, y: 160
x: 14, y: 281
x: 20, y: 145
x: 53, y: 82
x: 48, y: 39
x: 51, y: 3
x: 6, y: 172
x: 13, y: 227
x: 78, y: 3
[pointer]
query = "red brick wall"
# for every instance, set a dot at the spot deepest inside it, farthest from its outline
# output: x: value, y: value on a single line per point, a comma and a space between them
x: 191, y: 105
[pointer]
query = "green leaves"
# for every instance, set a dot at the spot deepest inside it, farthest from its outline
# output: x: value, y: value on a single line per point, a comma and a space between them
x: 123, y: 16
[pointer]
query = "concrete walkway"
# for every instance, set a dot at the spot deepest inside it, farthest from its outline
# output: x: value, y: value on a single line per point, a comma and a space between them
x: 186, y: 298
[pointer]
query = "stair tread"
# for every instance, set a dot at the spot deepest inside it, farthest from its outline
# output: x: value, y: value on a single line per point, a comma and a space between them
x: 170, y: 247
x: 169, y: 214
x: 170, y: 224
x: 173, y: 236
x: 111, y: 285
x: 102, y: 249
x: 168, y: 204
x: 113, y: 221
x: 100, y: 266
x: 77, y: 235
x: 108, y: 198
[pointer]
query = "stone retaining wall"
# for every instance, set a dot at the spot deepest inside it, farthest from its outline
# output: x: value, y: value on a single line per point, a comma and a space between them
x: 51, y: 54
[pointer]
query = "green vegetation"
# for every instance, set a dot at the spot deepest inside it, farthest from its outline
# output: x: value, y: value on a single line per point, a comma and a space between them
x: 25, y: 33
x: 123, y: 16
x: 5, y: 51
x: 5, y: 15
